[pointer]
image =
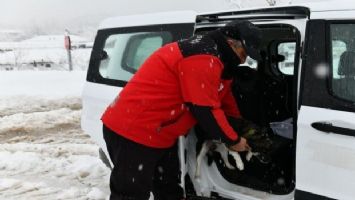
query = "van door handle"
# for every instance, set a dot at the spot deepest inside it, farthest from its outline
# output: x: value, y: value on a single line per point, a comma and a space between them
x: 328, y: 127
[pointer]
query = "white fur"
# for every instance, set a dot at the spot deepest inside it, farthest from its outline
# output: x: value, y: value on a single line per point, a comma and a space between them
x: 224, y: 151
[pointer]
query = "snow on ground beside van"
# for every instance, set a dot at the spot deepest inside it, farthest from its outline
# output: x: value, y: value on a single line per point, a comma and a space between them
x: 43, y: 152
x: 44, y: 52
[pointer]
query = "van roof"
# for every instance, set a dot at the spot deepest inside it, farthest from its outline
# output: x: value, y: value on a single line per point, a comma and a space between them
x: 315, y: 6
x: 173, y: 17
x: 319, y: 9
x: 330, y: 9
x: 330, y: 5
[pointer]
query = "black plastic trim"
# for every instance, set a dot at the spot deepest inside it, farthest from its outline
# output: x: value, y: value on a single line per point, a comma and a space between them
x: 291, y: 12
x: 303, y: 195
x: 330, y: 128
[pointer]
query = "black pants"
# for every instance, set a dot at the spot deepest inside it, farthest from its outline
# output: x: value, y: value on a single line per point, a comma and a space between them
x: 139, y: 170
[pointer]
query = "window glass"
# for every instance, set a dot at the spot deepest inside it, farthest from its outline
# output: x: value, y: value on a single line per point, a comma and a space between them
x: 288, y: 50
x: 338, y: 48
x: 124, y: 53
x: 343, y: 60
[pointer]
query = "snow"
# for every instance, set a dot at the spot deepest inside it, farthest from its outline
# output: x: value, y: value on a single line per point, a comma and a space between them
x: 44, y: 154
x: 44, y: 41
x: 44, y: 52
x: 42, y: 83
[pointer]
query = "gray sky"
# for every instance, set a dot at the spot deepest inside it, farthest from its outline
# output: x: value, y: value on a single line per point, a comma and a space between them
x: 57, y: 14
x: 84, y: 15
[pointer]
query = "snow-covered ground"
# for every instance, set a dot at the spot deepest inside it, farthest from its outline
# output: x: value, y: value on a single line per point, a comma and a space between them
x: 44, y: 52
x: 43, y: 152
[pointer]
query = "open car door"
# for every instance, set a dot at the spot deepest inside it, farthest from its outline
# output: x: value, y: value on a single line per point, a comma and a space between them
x: 216, y: 181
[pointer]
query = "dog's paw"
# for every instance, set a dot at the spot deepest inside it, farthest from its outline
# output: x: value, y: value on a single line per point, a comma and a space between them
x: 249, y: 155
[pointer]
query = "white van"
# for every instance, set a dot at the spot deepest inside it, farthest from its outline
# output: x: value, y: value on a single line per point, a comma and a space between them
x: 305, y: 90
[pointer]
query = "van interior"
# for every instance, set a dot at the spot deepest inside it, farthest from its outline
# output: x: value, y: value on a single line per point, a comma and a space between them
x: 265, y: 93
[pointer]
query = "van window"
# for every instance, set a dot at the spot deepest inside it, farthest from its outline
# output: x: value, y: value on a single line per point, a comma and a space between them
x: 343, y: 60
x: 288, y: 50
x: 140, y: 48
x: 338, y: 48
x: 251, y: 63
x: 119, y: 52
x: 127, y: 51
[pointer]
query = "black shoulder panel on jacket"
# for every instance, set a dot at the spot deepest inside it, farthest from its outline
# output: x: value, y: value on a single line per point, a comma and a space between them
x: 198, y: 44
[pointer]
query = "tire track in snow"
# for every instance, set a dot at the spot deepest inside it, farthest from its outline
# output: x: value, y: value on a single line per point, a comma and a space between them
x: 45, y: 155
x: 37, y: 122
x: 25, y: 104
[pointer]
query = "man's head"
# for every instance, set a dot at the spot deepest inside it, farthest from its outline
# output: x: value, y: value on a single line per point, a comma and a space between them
x: 244, y: 38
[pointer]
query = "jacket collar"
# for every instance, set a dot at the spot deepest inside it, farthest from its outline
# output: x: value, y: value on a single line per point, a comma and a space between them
x: 229, y: 59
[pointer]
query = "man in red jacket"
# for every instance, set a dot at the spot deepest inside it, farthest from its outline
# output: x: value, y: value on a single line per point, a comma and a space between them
x: 179, y: 85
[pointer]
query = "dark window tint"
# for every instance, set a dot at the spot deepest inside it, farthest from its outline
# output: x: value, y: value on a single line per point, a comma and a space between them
x: 343, y: 60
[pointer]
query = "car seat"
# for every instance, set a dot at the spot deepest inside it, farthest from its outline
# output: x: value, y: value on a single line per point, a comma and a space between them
x: 262, y: 98
x: 345, y: 86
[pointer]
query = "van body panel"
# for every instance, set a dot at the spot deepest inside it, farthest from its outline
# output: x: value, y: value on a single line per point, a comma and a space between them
x: 313, y: 7
x: 95, y: 99
x: 325, y: 161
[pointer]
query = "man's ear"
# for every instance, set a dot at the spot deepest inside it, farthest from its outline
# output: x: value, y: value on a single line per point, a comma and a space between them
x: 230, y: 41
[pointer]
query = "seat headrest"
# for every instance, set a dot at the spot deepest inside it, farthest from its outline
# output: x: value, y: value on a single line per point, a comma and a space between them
x: 346, y: 65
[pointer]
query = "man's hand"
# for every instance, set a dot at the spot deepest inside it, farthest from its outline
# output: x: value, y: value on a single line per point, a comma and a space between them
x: 241, y: 146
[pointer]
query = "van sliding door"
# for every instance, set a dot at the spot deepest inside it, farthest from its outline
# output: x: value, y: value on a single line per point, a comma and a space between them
x: 325, y: 155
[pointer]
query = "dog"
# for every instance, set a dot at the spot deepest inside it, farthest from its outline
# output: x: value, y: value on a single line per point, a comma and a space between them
x: 212, y: 145
x: 256, y: 137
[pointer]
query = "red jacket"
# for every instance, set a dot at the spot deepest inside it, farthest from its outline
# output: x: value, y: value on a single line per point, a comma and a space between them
x: 151, y: 110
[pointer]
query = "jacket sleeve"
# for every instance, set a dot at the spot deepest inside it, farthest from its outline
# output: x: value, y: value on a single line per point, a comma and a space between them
x: 199, y: 78
x: 210, y: 125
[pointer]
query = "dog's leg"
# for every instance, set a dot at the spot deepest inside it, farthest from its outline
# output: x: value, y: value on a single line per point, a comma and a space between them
x: 223, y: 150
x: 249, y: 155
x: 238, y: 160
x: 205, y: 148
